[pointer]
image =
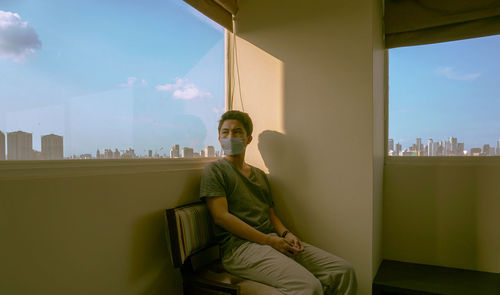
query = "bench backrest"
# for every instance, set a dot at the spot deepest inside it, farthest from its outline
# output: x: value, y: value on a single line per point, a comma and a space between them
x: 189, y: 231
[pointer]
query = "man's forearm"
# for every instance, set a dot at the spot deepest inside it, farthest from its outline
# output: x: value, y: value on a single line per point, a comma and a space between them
x: 236, y: 226
x: 276, y: 222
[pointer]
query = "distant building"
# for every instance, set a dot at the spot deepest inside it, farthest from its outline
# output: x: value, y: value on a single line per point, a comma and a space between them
x: 150, y: 153
x: 129, y: 154
x: 486, y: 150
x: 461, y: 148
x: 390, y: 145
x: 98, y: 154
x: 2, y: 146
x: 418, y: 146
x: 498, y: 147
x: 202, y: 153
x: 398, y: 149
x: 108, y: 154
x: 210, y: 151
x: 453, y: 146
x: 174, y: 151
x: 187, y: 152
x: 19, y: 145
x: 52, y: 147
x: 116, y: 154
x: 430, y: 148
x: 475, y: 151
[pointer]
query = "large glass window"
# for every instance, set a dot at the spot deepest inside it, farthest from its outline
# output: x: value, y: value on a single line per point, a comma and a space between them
x: 444, y: 99
x: 109, y: 79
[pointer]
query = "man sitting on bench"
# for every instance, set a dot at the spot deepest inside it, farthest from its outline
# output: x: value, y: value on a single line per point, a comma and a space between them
x: 254, y: 242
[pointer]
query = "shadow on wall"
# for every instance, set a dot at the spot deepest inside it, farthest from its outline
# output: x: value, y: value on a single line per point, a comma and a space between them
x: 282, y: 156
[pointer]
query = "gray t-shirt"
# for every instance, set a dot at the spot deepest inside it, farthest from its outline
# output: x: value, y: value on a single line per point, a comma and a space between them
x: 247, y: 198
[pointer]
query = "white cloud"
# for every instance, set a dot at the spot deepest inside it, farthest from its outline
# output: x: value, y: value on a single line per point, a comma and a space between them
x: 181, y: 89
x: 450, y: 73
x: 17, y: 39
x: 131, y: 82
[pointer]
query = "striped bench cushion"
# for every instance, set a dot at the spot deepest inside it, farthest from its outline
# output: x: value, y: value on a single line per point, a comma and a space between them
x: 194, y: 225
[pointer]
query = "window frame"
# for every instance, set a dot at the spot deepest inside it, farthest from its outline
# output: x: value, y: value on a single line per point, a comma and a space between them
x: 495, y: 160
x: 24, y: 169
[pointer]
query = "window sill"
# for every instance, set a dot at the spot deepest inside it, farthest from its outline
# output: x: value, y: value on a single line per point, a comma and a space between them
x: 70, y: 168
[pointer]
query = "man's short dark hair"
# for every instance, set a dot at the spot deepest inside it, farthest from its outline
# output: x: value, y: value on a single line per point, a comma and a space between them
x: 242, y: 117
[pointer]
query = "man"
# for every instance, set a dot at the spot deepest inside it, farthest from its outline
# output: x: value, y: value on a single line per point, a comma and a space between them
x: 254, y: 242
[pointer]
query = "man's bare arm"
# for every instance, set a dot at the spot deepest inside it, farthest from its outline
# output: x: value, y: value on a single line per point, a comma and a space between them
x: 278, y: 225
x: 280, y: 229
x: 222, y: 217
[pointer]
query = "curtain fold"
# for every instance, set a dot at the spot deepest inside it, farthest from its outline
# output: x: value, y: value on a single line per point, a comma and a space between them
x: 417, y: 22
x: 220, y: 11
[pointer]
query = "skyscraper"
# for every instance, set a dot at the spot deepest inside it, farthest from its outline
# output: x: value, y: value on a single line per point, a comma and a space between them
x: 460, y: 151
x: 390, y: 145
x: 19, y: 145
x: 210, y: 151
x: 430, y: 148
x: 498, y: 147
x: 398, y: 149
x: 486, y: 150
x: 419, y: 146
x: 453, y: 145
x: 52, y: 147
x: 2, y: 146
x: 187, y: 152
x: 174, y: 151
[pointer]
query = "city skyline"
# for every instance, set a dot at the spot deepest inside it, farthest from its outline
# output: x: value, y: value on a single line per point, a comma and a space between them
x: 19, y: 146
x: 450, y: 147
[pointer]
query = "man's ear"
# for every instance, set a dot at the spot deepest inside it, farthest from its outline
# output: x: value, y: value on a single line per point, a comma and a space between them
x: 249, y: 139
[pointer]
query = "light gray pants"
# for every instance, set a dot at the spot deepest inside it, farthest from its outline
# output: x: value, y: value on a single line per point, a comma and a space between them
x: 313, y: 271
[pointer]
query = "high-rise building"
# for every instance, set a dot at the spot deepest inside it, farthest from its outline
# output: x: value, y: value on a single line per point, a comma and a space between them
x: 116, y: 154
x: 210, y: 151
x: 98, y: 154
x: 390, y: 145
x: 475, y: 151
x: 430, y: 148
x: 453, y: 145
x: 398, y: 149
x: 419, y: 146
x: 174, y: 151
x: 108, y: 154
x: 486, y: 150
x: 461, y: 148
x: 150, y: 153
x: 19, y: 145
x: 52, y: 147
x: 2, y: 146
x: 187, y: 152
x: 498, y: 147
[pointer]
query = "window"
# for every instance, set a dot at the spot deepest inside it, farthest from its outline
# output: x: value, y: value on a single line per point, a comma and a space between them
x: 444, y: 99
x: 109, y: 79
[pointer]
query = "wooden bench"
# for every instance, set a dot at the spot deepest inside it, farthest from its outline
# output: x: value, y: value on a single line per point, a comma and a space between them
x: 194, y: 250
x: 394, y: 277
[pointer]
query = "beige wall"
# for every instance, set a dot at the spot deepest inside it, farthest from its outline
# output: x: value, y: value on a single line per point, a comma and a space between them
x: 315, y: 133
x: 90, y: 234
x: 443, y: 212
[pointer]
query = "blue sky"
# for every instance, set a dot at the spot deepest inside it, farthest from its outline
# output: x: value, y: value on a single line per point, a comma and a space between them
x: 447, y: 89
x: 111, y: 74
